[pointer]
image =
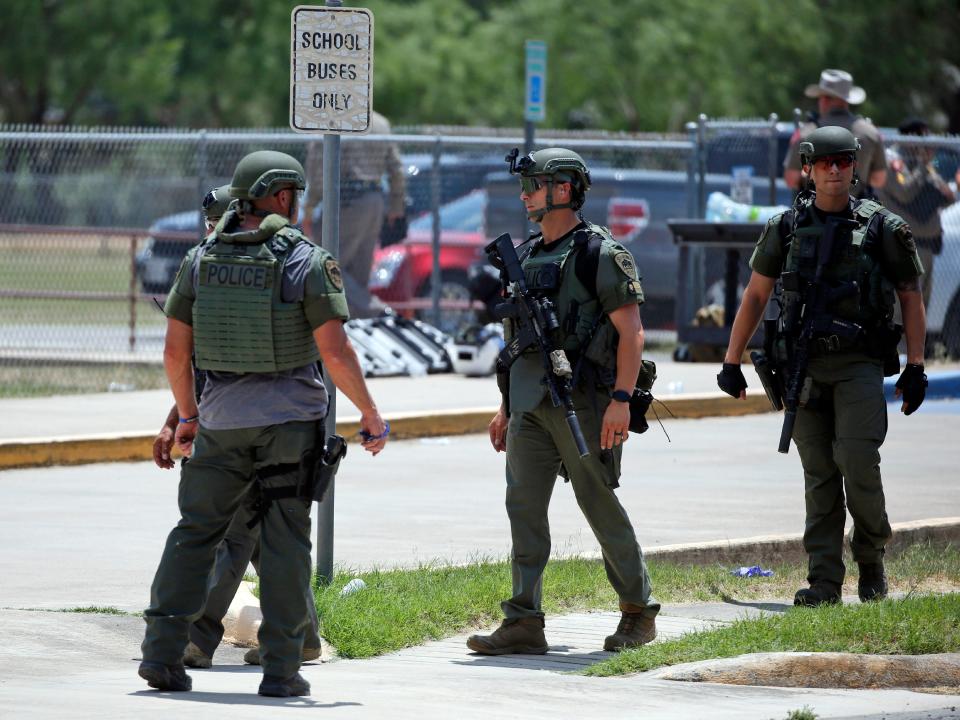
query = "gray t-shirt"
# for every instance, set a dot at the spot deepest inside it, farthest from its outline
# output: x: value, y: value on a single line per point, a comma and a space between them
x: 242, y: 400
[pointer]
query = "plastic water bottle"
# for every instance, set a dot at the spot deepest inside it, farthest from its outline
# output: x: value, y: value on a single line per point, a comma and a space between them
x: 353, y: 586
x: 720, y: 208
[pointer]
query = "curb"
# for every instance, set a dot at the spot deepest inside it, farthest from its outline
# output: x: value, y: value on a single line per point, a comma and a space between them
x: 138, y: 446
x: 788, y: 548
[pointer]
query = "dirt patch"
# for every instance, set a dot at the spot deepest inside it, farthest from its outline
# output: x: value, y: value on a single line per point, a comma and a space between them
x: 826, y: 670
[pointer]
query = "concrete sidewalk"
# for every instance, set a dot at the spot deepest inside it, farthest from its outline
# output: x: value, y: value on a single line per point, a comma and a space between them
x: 74, y: 429
x: 56, y: 665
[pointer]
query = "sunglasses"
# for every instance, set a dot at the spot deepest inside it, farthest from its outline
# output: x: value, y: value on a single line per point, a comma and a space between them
x: 841, y: 161
x: 530, y: 185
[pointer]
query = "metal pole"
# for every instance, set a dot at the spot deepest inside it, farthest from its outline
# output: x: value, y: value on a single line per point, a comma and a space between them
x: 330, y: 241
x: 772, y: 158
x: 435, y: 188
x: 202, y: 175
x: 529, y: 129
x: 702, y: 166
x: 133, y: 293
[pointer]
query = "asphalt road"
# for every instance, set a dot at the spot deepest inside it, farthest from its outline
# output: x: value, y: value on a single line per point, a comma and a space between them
x: 92, y: 535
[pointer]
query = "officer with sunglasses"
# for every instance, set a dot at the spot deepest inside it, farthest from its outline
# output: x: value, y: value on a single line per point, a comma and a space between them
x: 593, y: 283
x: 842, y: 419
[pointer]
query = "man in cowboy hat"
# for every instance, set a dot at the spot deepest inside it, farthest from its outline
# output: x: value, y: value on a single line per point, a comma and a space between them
x: 835, y: 93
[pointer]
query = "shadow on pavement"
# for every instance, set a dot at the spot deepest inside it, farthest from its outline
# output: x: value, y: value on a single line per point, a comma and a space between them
x: 553, y: 660
x: 231, y: 698
x: 766, y: 606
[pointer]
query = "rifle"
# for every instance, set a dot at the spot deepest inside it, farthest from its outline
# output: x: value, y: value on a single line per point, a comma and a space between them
x: 810, y: 315
x: 536, y: 319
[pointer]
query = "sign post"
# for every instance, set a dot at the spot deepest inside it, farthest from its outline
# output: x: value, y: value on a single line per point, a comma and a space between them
x: 535, y: 101
x: 331, y: 92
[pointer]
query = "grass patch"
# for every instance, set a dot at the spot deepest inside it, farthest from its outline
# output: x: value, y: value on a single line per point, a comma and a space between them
x: 401, y: 608
x: 912, y: 626
x: 99, y: 610
x: 87, y: 609
x: 37, y: 380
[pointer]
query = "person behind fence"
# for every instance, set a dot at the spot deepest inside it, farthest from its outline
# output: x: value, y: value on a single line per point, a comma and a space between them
x: 835, y: 93
x: 363, y: 165
x: 915, y: 191
x: 241, y: 543
x: 255, y: 305
x: 593, y: 285
x: 841, y: 263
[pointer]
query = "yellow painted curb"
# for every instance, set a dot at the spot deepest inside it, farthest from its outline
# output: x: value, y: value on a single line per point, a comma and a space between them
x: 138, y: 446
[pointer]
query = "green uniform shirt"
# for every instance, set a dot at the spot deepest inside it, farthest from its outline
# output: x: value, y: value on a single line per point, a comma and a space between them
x: 897, y: 251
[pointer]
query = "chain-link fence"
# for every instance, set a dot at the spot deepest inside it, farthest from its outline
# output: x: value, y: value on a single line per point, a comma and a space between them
x: 94, y: 224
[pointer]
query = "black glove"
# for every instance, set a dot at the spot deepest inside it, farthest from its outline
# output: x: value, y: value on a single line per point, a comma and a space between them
x: 912, y: 385
x: 731, y: 379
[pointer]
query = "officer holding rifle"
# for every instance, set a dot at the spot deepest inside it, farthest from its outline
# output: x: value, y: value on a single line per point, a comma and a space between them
x: 567, y: 375
x: 841, y: 262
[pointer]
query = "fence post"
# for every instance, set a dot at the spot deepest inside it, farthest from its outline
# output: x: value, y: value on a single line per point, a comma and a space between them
x: 435, y: 197
x: 702, y: 166
x: 772, y: 158
x: 202, y: 176
x: 133, y: 293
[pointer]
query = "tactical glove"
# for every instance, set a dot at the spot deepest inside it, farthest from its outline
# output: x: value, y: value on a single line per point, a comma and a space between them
x: 731, y: 379
x: 912, y: 385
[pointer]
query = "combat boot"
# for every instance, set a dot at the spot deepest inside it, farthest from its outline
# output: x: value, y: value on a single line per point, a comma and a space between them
x: 165, y: 677
x: 194, y: 657
x: 276, y: 686
x: 872, y: 584
x: 252, y: 656
x: 523, y: 635
x: 820, y: 592
x: 635, y: 629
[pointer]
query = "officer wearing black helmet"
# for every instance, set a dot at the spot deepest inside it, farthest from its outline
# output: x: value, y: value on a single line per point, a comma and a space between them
x: 598, y: 312
x: 256, y: 304
x: 842, y: 420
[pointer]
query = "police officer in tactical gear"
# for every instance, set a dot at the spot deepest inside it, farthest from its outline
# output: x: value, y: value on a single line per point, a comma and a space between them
x: 842, y: 419
x: 256, y: 305
x: 241, y: 543
x: 600, y: 330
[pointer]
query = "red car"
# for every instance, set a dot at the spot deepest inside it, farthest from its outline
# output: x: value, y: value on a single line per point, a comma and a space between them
x: 401, y: 273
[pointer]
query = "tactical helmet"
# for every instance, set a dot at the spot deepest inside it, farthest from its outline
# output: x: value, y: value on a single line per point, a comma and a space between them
x: 557, y: 165
x: 215, y: 203
x: 261, y: 172
x: 828, y: 140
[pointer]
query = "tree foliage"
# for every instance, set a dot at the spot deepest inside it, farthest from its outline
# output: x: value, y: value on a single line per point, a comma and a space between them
x: 634, y: 66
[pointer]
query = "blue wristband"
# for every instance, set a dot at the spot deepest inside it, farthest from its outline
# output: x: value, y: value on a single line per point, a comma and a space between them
x: 185, y: 421
x: 367, y: 436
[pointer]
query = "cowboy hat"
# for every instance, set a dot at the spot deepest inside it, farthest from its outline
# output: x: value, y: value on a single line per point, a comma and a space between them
x: 838, y: 84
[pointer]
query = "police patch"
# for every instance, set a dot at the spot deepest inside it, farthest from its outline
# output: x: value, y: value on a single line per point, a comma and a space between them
x: 624, y: 261
x: 905, y: 237
x: 333, y: 273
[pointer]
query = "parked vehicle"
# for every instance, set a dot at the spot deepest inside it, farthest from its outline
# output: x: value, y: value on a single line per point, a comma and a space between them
x: 943, y: 313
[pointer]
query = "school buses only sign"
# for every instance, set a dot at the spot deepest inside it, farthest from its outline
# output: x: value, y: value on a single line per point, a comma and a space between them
x: 331, y: 69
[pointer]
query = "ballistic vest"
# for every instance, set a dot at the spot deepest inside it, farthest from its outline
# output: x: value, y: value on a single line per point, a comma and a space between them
x: 240, y: 322
x: 577, y: 307
x: 853, y: 261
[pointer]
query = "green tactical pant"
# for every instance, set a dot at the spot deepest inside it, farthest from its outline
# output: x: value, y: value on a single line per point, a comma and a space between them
x: 839, y: 442
x: 239, y: 548
x: 537, y: 443
x: 212, y: 487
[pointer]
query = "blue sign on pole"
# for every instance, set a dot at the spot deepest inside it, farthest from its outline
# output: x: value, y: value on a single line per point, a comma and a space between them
x: 535, y: 107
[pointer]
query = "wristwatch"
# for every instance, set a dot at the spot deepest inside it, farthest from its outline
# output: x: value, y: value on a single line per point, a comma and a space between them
x: 621, y: 396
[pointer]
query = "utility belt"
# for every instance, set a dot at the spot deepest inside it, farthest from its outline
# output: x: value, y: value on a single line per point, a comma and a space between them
x: 353, y: 189
x: 313, y: 475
